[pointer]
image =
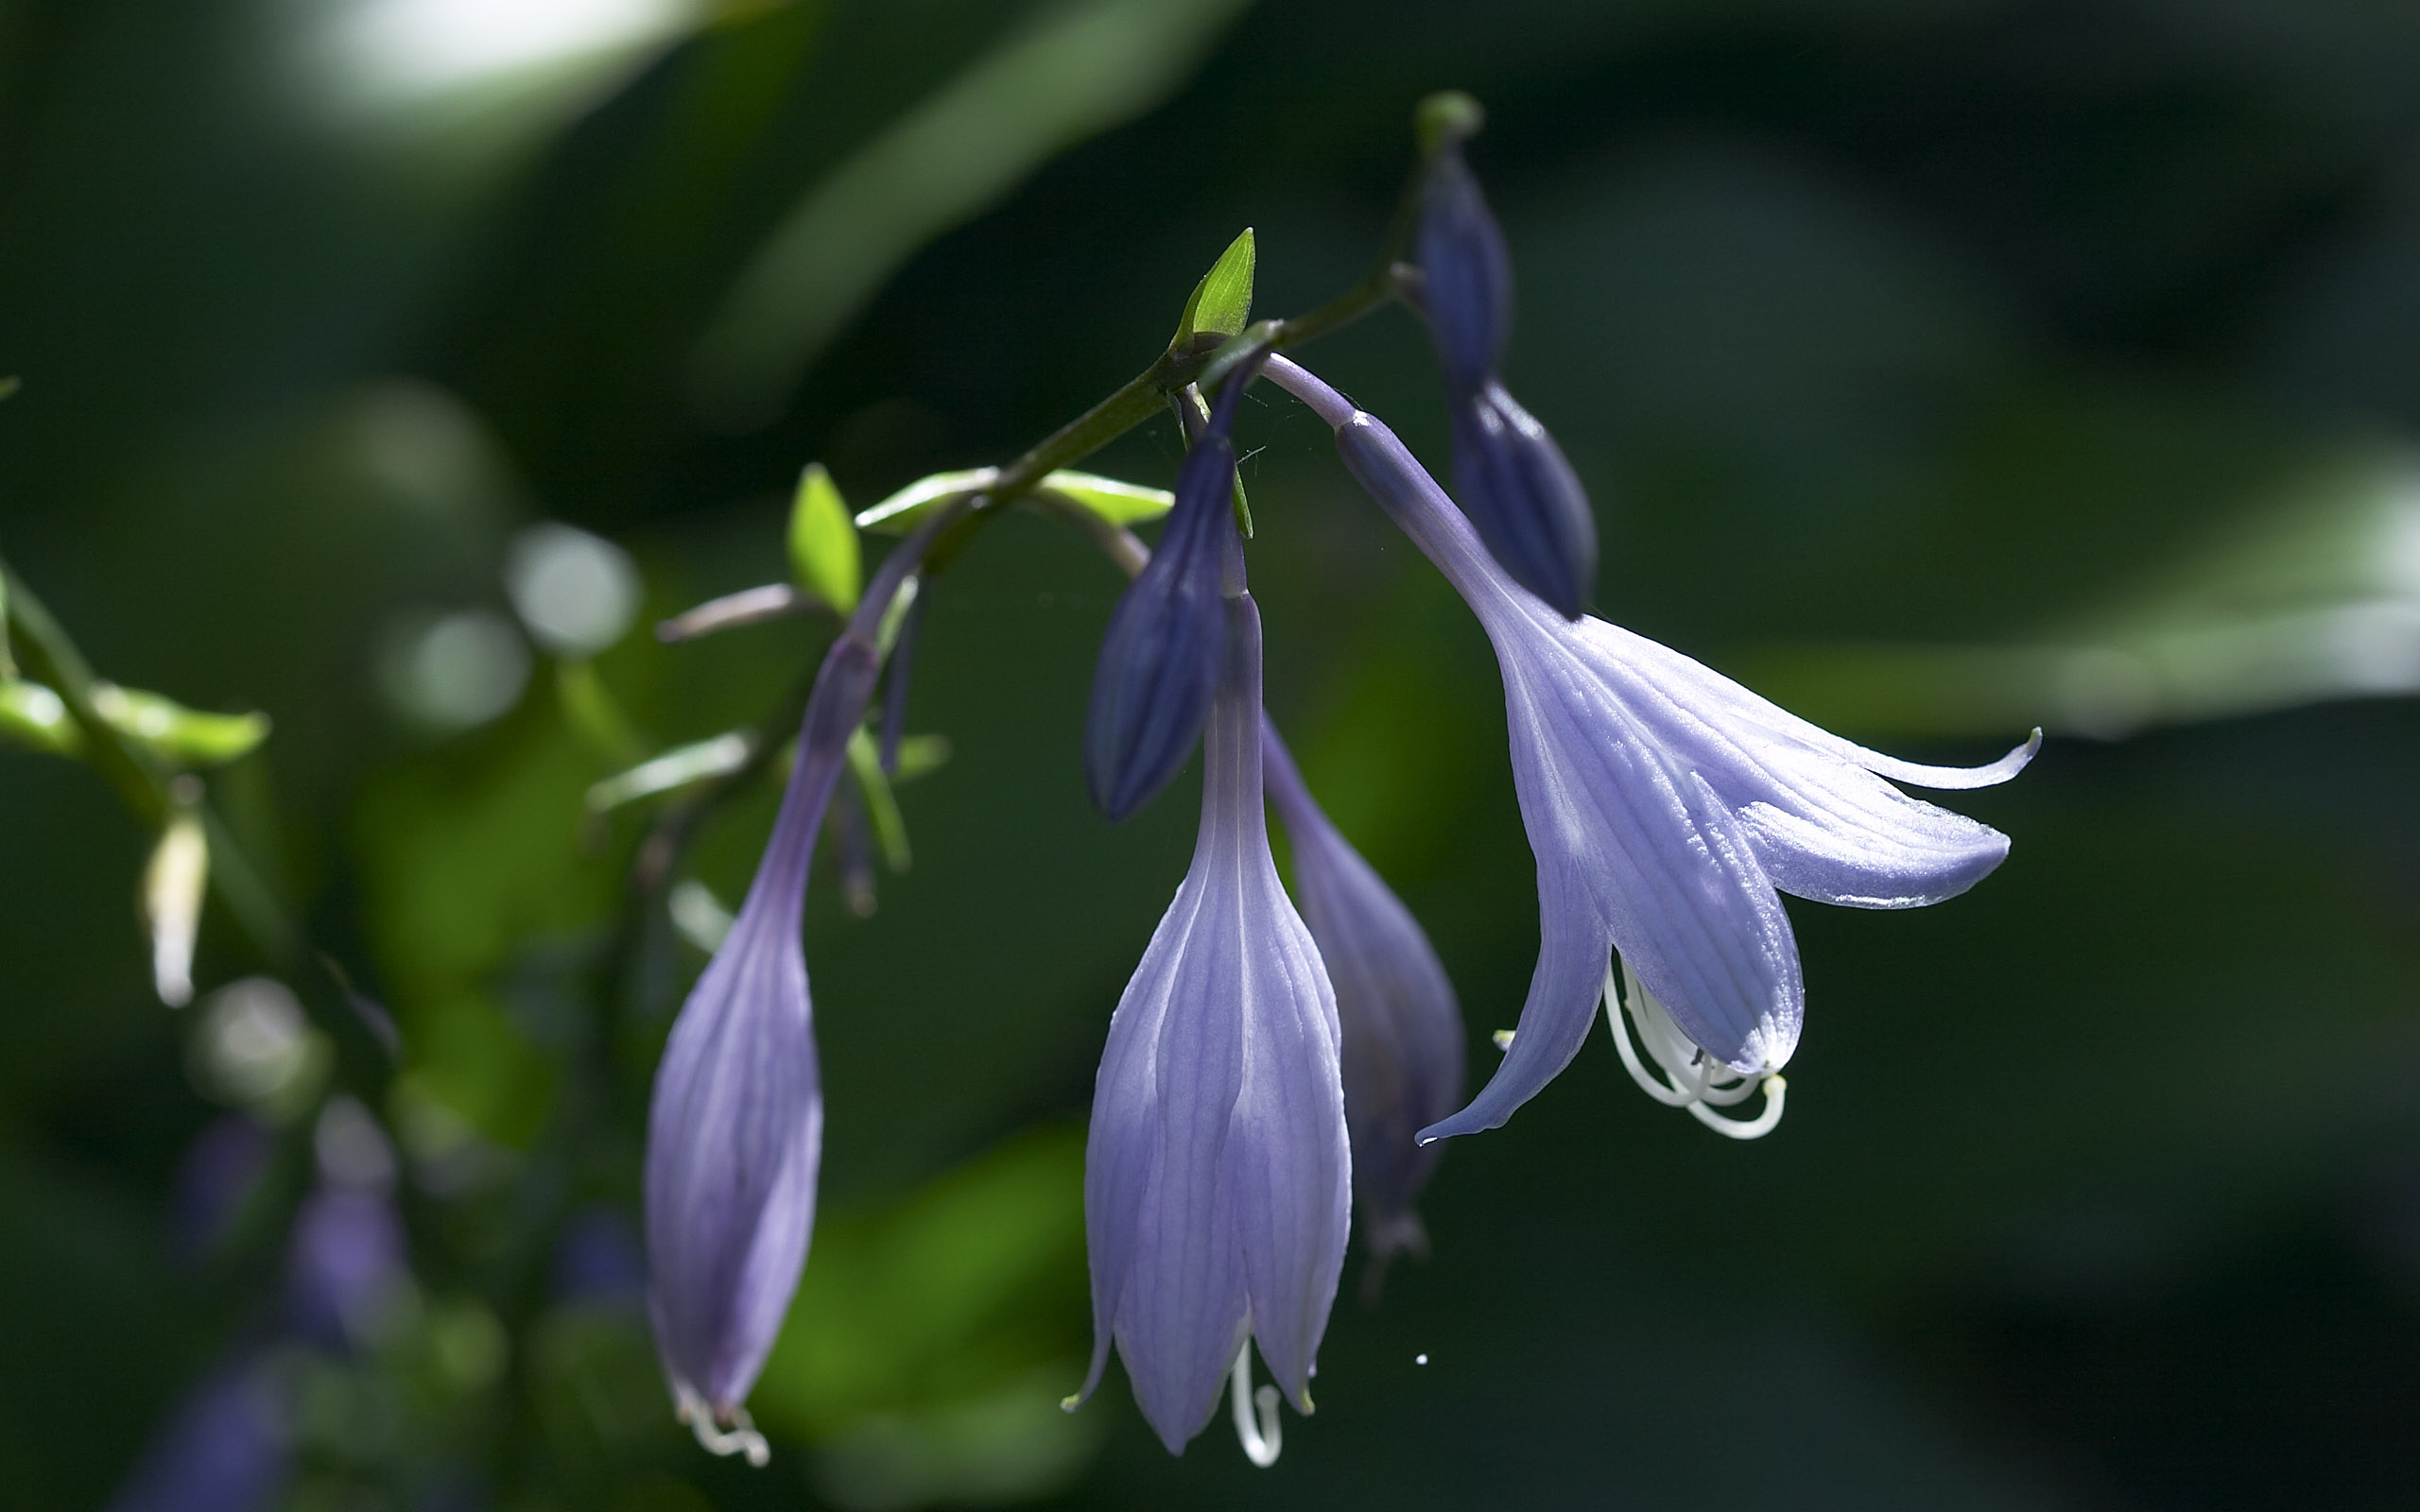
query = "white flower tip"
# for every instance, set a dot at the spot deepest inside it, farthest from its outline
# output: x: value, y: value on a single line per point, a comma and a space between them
x: 1503, y: 1038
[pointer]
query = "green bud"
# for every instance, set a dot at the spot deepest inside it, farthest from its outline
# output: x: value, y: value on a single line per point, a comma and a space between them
x: 1221, y: 302
x: 31, y: 714
x: 824, y: 542
x: 1446, y: 118
x: 186, y: 737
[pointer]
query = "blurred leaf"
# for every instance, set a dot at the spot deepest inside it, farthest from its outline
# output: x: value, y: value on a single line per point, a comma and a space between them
x: 1079, y: 69
x: 33, y: 715
x: 919, y: 756
x: 822, y: 542
x: 929, y: 1343
x: 2315, y: 594
x: 676, y: 768
x: 899, y: 514
x: 186, y: 737
x: 1221, y: 302
x: 592, y: 714
x: 1120, y: 503
x: 468, y: 858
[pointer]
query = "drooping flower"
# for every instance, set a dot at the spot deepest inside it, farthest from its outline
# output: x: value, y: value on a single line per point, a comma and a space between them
x: 1218, y: 1174
x: 1512, y: 478
x: 1403, y: 1036
x: 1160, y: 658
x: 735, y: 1128
x: 1667, y: 807
x: 735, y: 1125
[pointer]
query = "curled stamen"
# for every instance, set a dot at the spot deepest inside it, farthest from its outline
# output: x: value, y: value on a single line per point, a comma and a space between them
x: 1692, y: 1079
x: 740, y: 1437
x: 1261, y: 1433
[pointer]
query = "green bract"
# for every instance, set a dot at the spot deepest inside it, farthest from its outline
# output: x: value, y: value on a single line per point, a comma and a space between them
x: 31, y: 714
x: 823, y: 545
x: 188, y: 737
x: 1120, y: 503
x: 1221, y: 302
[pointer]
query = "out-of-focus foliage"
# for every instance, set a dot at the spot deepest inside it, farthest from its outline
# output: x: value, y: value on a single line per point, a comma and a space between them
x: 1940, y: 367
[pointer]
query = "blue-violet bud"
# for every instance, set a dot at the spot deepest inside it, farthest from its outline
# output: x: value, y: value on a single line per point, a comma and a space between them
x: 1466, y: 274
x: 1403, y: 1045
x: 1512, y: 481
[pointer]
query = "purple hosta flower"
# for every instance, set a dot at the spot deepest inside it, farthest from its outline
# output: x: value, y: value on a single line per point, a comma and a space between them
x: 1159, y: 659
x: 1667, y: 806
x: 228, y: 1446
x: 1510, y: 476
x: 1218, y: 1178
x: 735, y: 1129
x: 346, y: 1259
x: 220, y: 1174
x: 1403, y: 1031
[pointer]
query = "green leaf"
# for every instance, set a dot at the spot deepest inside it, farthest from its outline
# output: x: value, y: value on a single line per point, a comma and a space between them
x: 882, y: 809
x: 188, y: 737
x: 919, y: 756
x: 31, y: 714
x: 676, y: 768
x: 823, y: 544
x: 899, y: 514
x: 1221, y: 302
x: 1120, y: 503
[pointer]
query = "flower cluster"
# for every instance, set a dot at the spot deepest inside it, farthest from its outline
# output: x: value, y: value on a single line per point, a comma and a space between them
x: 1267, y: 1068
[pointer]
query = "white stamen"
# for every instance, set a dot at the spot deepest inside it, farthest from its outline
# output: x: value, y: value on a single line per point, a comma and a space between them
x: 1261, y: 1439
x: 741, y: 1437
x: 1692, y: 1079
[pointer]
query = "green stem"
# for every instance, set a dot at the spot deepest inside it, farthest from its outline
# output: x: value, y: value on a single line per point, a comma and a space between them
x: 51, y: 657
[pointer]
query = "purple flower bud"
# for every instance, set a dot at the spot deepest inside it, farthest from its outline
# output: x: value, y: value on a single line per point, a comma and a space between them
x: 736, y: 1130
x: 1466, y: 274
x: 346, y: 1258
x: 228, y: 1446
x: 1512, y: 481
x: 1403, y: 1043
x: 221, y: 1172
x: 1158, y: 661
x: 1218, y: 1176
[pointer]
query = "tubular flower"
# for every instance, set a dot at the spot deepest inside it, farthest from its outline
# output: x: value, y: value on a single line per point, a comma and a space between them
x: 735, y: 1129
x: 1512, y: 477
x: 1667, y: 807
x: 1218, y: 1176
x: 1403, y: 1030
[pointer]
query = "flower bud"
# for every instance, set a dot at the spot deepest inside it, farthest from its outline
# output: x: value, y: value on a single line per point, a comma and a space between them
x: 1466, y: 272
x: 1402, y: 1029
x: 1512, y: 481
x: 1158, y: 661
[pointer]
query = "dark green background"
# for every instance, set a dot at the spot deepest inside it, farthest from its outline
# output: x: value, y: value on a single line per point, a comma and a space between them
x: 1930, y: 323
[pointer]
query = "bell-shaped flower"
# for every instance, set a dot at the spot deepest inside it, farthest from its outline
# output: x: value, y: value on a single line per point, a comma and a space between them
x: 1513, y: 480
x: 1667, y: 807
x: 1159, y: 659
x: 1217, y: 1175
x: 735, y: 1129
x: 1403, y: 1035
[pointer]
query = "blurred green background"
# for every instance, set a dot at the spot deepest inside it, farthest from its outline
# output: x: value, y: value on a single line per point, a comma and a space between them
x: 1939, y: 367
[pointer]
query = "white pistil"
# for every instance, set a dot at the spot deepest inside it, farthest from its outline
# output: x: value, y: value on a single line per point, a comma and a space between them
x: 1692, y: 1079
x: 1264, y: 1437
x: 740, y: 1437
